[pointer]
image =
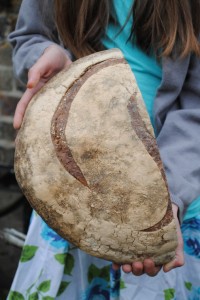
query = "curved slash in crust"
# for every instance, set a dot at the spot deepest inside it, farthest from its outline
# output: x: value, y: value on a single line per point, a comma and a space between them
x: 60, y: 118
x: 144, y: 135
x: 150, y: 144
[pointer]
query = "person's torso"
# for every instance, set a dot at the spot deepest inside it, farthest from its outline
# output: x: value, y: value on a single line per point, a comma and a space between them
x: 147, y: 71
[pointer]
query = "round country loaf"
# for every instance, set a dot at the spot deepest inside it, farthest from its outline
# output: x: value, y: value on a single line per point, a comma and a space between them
x: 86, y: 159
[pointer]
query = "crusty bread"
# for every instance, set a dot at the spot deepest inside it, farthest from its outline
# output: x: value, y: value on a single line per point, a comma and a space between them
x: 87, y: 160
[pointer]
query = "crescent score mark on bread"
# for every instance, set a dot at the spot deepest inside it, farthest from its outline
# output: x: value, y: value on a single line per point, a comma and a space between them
x: 60, y: 118
x: 150, y: 145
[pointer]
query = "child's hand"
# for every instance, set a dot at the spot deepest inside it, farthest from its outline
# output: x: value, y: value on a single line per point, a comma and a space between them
x: 148, y: 266
x: 53, y: 60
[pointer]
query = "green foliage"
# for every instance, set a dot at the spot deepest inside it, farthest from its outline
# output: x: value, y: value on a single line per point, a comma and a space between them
x: 15, y: 296
x: 188, y: 285
x: 61, y: 258
x: 28, y: 253
x: 69, y: 264
x: 62, y: 288
x: 34, y: 296
x: 122, y: 285
x: 44, y: 286
x: 169, y: 294
x: 96, y: 272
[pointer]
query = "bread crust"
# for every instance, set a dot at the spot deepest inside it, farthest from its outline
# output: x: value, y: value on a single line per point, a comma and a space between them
x: 87, y: 160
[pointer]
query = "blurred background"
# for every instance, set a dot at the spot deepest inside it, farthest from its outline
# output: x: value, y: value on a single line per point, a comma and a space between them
x: 14, y: 209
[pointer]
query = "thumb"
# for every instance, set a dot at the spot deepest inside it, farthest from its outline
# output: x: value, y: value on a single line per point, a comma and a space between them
x: 33, y: 77
x: 40, y: 70
x: 177, y: 262
x: 179, y: 256
x: 36, y: 72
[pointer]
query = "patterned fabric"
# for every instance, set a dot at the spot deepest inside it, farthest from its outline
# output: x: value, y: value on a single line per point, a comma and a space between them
x: 179, y: 284
x: 193, y: 209
x: 50, y: 268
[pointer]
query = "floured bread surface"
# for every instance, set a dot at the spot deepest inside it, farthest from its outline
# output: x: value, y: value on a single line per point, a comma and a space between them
x: 87, y: 160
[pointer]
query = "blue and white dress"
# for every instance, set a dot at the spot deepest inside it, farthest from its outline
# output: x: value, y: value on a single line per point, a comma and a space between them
x: 51, y: 268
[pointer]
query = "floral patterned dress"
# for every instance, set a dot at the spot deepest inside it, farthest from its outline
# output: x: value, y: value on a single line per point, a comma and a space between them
x: 178, y: 284
x: 50, y: 268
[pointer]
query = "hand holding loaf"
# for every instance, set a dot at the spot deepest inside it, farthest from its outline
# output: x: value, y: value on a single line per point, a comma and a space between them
x: 53, y: 60
x: 87, y: 160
